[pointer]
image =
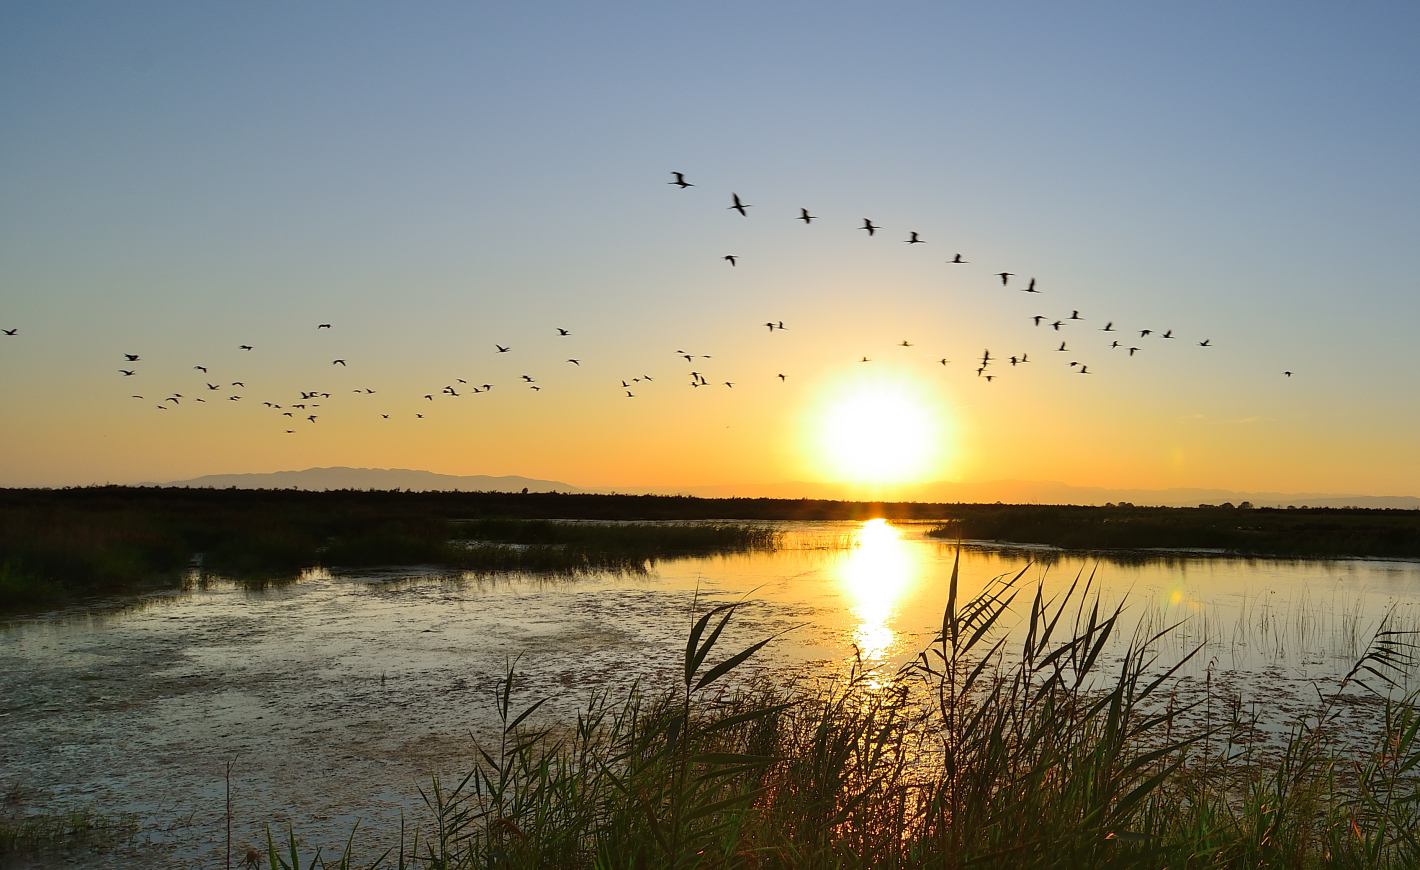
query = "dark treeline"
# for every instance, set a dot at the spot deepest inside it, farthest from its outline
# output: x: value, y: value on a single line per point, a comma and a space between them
x: 64, y: 542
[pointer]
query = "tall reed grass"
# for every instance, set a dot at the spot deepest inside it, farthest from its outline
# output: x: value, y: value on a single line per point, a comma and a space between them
x: 1043, y: 752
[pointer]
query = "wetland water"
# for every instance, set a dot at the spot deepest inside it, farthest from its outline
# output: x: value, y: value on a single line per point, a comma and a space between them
x: 339, y: 695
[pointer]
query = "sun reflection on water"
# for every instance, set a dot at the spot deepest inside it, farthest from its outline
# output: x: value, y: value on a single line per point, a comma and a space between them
x: 876, y: 575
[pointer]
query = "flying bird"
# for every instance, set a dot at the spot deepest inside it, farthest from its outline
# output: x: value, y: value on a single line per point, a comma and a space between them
x: 730, y: 385
x: 575, y: 362
x: 905, y: 343
x: 1084, y: 370
x: 1145, y: 332
x: 1168, y: 334
x: 131, y: 357
x: 11, y: 331
x: 1062, y: 346
x: 1075, y: 315
x: 1132, y: 350
x: 943, y: 360
x: 1038, y: 318
x: 1004, y: 275
x: 629, y: 395
x: 957, y: 261
x: 312, y: 418
x: 805, y: 216
x: 502, y: 349
x: 1030, y: 288
x: 339, y: 362
x: 868, y: 225
x: 1108, y: 327
x: 202, y: 369
x: 323, y: 326
x: 243, y: 347
x: 561, y: 331
x: 731, y: 258
x: 913, y: 240
x: 1207, y: 342
x: 1057, y: 324
x: 127, y: 373
x: 781, y: 378
x: 864, y: 359
x: 214, y: 386
x: 1288, y: 374
x: 680, y: 181
x: 238, y: 384
x: 386, y: 416
x: 739, y: 206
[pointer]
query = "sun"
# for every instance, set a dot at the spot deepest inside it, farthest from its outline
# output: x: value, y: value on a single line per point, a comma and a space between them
x: 880, y: 430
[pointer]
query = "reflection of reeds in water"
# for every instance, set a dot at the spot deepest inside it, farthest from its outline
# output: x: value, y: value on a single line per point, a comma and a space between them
x: 1030, y: 749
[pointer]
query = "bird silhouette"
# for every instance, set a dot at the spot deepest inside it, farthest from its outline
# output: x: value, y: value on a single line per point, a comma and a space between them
x: 1038, y: 318
x: 1062, y: 346
x: 868, y: 225
x: 1004, y: 275
x: 527, y: 378
x: 386, y: 416
x: 1057, y: 324
x: 730, y: 385
x: 561, y: 331
x: 680, y: 181
x: 629, y: 395
x: 1030, y: 288
x: 1168, y: 334
x: 202, y: 369
x: 243, y: 347
x: 429, y: 397
x: 218, y: 387
x: 323, y: 326
x: 739, y: 206
x: 1084, y: 370
x: 1075, y: 315
x: 781, y: 377
x: 420, y: 416
x: 238, y: 384
x: 1207, y: 342
x: 943, y: 360
x: 913, y: 240
x: 127, y: 373
x: 731, y: 258
x: 339, y: 362
x: 131, y: 357
x: 1114, y: 344
x: 11, y: 331
x: 1108, y: 327
x: 905, y: 343
x: 502, y: 349
x: 1288, y: 374
x: 1133, y: 350
x: 957, y: 261
x: 575, y: 362
x: 535, y: 387
x: 1145, y: 332
x: 805, y: 216
x: 864, y: 359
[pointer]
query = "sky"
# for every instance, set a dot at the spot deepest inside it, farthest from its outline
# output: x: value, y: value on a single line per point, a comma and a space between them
x: 436, y: 179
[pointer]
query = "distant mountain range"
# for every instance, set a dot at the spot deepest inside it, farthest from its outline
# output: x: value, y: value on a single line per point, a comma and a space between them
x: 374, y: 478
x: 1008, y: 491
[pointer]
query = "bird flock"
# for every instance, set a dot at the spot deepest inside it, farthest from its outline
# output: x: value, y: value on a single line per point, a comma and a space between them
x: 1079, y: 343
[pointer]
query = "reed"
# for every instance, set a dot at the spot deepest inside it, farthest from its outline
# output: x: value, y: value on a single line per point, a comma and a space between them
x: 1033, y: 748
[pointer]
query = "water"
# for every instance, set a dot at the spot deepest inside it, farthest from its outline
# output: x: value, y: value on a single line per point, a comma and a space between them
x: 339, y: 695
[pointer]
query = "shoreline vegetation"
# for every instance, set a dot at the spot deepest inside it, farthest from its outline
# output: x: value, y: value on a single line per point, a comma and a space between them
x: 59, y: 545
x: 983, y: 752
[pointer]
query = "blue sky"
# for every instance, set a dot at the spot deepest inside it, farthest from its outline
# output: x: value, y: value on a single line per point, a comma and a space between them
x: 180, y: 179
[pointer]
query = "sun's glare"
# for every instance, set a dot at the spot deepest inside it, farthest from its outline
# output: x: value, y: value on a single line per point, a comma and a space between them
x: 880, y: 431
x: 876, y: 575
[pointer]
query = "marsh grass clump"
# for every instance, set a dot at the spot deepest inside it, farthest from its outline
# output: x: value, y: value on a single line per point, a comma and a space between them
x: 1042, y: 747
x: 50, y: 833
